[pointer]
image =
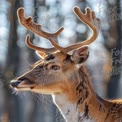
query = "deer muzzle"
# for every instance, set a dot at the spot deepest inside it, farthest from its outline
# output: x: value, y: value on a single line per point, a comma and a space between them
x: 22, y: 83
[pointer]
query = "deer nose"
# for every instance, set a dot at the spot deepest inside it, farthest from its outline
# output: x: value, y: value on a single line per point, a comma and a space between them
x: 15, y: 83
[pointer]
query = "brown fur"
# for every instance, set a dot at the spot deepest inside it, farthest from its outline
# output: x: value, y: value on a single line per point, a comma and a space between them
x: 75, y: 83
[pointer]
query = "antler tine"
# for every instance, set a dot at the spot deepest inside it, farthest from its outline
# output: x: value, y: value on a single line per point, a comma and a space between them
x: 89, y: 19
x: 30, y: 45
x: 30, y: 25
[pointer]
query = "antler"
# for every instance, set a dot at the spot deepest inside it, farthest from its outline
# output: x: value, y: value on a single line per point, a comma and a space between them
x: 30, y: 25
x: 91, y: 21
x: 88, y: 18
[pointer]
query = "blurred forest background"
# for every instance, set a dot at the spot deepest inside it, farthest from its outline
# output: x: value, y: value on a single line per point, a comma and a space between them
x: 104, y: 63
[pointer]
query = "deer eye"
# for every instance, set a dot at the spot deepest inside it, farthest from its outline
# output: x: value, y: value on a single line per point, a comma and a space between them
x: 55, y: 67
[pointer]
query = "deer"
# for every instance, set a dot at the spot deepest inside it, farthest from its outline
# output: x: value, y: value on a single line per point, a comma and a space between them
x: 61, y: 72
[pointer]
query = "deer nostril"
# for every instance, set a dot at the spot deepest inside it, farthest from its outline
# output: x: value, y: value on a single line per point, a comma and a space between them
x: 20, y: 81
x: 15, y: 84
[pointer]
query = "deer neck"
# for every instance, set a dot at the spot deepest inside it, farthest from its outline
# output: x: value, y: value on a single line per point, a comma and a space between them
x: 80, y: 103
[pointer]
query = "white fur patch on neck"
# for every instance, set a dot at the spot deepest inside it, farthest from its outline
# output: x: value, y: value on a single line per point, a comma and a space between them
x: 69, y: 110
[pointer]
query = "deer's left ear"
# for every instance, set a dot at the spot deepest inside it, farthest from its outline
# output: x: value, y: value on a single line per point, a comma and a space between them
x: 80, y: 56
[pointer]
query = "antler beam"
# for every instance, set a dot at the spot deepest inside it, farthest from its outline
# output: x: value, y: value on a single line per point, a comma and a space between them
x: 91, y: 21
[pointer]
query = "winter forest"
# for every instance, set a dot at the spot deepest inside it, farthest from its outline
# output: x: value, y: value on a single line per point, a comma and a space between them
x: 104, y: 64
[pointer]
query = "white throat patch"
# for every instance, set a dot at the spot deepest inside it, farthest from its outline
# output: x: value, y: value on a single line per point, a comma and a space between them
x: 69, y: 110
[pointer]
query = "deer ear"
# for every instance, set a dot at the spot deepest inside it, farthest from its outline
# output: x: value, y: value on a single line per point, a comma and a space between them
x: 40, y: 54
x: 80, y: 56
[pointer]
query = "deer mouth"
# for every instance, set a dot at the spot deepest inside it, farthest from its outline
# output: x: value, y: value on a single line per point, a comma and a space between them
x: 22, y: 84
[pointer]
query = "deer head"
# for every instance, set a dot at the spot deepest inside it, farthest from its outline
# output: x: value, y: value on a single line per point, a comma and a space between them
x: 57, y: 69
